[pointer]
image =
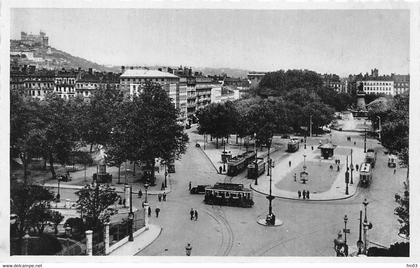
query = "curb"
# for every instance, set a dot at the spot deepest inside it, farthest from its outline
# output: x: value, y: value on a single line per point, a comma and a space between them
x: 161, y: 229
x: 208, y: 158
x: 291, y: 198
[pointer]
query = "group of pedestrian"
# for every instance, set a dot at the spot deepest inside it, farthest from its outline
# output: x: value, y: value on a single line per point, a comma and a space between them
x: 149, y: 211
x: 162, y: 197
x: 194, y: 214
x: 304, y: 194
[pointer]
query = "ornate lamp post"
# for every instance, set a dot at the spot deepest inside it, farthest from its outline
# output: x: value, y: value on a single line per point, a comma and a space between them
x: 364, y: 147
x: 347, y: 176
x: 360, y: 241
x: 131, y: 216
x: 351, y: 167
x: 146, y: 186
x: 271, y: 218
x: 366, y: 226
x: 256, y: 159
x: 346, y: 252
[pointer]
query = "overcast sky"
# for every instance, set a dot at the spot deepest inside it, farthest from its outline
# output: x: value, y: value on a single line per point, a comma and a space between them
x: 333, y: 41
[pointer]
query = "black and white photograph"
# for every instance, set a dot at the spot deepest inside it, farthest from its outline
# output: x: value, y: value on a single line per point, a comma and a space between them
x: 207, y: 132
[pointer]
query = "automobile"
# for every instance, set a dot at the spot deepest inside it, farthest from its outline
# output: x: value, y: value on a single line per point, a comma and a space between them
x: 199, y: 189
x: 285, y: 136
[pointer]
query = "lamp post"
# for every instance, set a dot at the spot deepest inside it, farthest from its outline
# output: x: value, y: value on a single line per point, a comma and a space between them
x: 346, y: 179
x: 351, y: 166
x: 256, y: 159
x: 68, y: 231
x: 131, y: 216
x: 304, y: 162
x: 310, y: 125
x: 270, y: 197
x: 166, y: 174
x: 268, y: 157
x: 146, y: 185
x: 364, y: 147
x: 366, y: 226
x: 360, y: 242
x: 346, y: 253
x: 58, y: 191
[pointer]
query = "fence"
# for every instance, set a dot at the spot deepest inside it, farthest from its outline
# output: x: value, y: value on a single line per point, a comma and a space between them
x: 121, y: 230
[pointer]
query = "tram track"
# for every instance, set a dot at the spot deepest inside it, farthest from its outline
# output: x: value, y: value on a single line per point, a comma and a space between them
x: 227, y: 237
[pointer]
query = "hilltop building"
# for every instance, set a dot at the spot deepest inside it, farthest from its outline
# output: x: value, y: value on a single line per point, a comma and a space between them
x: 34, y: 39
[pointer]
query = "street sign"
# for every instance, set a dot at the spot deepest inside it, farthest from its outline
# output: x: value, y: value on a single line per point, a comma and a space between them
x: 347, y: 231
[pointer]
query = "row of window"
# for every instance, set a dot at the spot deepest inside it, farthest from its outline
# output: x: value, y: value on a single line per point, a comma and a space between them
x: 378, y: 83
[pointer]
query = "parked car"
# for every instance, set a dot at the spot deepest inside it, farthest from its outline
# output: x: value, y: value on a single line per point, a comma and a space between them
x: 199, y: 189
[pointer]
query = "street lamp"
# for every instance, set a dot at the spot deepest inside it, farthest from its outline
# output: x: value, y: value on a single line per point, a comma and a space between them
x: 366, y: 225
x: 131, y: 216
x: 304, y: 162
x: 146, y: 185
x: 351, y: 167
x: 346, y: 253
x: 271, y: 218
x: 58, y: 191
x: 364, y: 147
x: 256, y: 159
x: 360, y: 242
x: 347, y: 181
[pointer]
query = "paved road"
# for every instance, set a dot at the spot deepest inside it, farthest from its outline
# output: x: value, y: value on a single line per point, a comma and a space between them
x: 309, y: 227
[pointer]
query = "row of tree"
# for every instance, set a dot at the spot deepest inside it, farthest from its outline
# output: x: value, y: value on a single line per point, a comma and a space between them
x: 140, y: 128
x: 264, y: 117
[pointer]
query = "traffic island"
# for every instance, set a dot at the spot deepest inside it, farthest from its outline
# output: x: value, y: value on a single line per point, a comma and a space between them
x: 262, y: 220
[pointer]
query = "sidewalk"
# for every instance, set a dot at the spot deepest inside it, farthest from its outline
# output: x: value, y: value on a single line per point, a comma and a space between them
x: 142, y: 239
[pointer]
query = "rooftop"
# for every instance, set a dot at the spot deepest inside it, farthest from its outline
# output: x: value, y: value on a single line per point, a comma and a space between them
x: 146, y: 73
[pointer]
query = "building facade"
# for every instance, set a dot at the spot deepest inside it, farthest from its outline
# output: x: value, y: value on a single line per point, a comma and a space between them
x: 401, y: 83
x: 133, y: 80
x: 34, y: 39
x: 378, y: 87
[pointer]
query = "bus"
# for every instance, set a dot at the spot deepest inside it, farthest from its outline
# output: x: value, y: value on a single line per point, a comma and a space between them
x: 255, y: 169
x: 370, y: 157
x: 365, y: 174
x: 293, y: 145
x: 228, y: 194
x: 237, y: 164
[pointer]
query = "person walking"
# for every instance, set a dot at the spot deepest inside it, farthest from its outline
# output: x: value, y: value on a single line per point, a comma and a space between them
x: 189, y: 186
x: 195, y: 215
x: 192, y: 214
x: 220, y: 169
x: 140, y: 193
x: 188, y: 249
x: 157, y: 210
x: 164, y: 196
x: 395, y: 170
x: 357, y: 167
x: 290, y: 163
x: 163, y: 186
x: 304, y: 194
x: 307, y: 194
x: 160, y: 197
x: 299, y: 194
x: 312, y: 147
x: 295, y: 177
x: 149, y: 212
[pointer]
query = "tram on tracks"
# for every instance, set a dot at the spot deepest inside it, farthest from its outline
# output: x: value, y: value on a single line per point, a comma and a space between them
x: 256, y: 168
x: 229, y: 194
x: 370, y: 157
x: 237, y: 164
x: 365, y: 174
x: 293, y: 145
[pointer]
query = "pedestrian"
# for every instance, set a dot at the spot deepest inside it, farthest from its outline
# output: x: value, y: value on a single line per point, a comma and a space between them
x: 395, y: 170
x: 160, y: 197
x: 220, y: 170
x: 192, y: 214
x: 140, y: 193
x: 295, y: 177
x: 299, y: 194
x: 312, y: 147
x: 164, y: 196
x: 188, y: 249
x: 331, y: 167
x: 304, y: 194
x: 189, y: 186
x: 357, y: 167
x: 354, y: 143
x: 195, y: 215
x: 290, y: 163
x: 307, y: 194
x: 157, y: 210
x: 124, y: 202
x: 338, y: 167
x: 163, y: 186
x: 149, y: 212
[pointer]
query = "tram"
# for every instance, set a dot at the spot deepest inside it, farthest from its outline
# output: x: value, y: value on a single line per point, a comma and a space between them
x: 392, y: 161
x: 255, y: 169
x: 229, y: 194
x: 371, y: 157
x: 237, y: 164
x: 365, y: 174
x: 293, y: 145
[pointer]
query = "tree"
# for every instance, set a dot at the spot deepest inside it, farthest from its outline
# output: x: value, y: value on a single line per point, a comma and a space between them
x: 39, y: 217
x: 56, y: 217
x: 94, y: 203
x: 321, y: 113
x: 264, y: 121
x: 60, y: 135
x: 26, y: 202
x: 26, y: 129
x: 98, y: 116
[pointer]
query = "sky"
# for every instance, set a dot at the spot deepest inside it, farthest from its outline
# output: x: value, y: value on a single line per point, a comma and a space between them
x: 326, y: 41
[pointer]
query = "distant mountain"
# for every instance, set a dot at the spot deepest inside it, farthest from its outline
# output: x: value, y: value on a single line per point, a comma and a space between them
x: 231, y: 72
x: 51, y: 58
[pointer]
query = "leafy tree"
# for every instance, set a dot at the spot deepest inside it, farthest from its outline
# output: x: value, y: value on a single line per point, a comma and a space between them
x: 26, y: 129
x: 60, y: 137
x: 264, y: 121
x: 56, y: 217
x: 321, y: 113
x: 26, y: 202
x: 94, y: 203
x: 98, y: 116
x: 39, y: 217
